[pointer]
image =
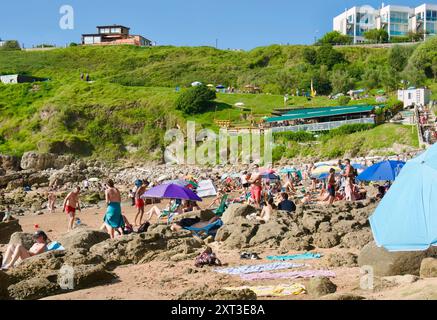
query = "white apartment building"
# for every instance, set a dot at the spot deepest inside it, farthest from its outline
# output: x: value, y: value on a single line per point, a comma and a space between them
x: 355, y: 21
x: 396, y: 20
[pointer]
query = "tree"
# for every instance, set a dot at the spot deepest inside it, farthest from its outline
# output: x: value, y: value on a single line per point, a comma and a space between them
x: 328, y: 56
x: 398, y: 57
x: 10, y: 45
x: 341, y: 81
x: 376, y: 35
x: 310, y: 55
x: 333, y: 38
x: 434, y: 67
x: 195, y: 100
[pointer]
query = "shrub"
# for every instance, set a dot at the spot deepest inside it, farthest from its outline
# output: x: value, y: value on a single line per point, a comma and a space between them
x: 344, y: 100
x: 278, y: 153
x: 195, y: 100
x: 349, y: 129
x: 301, y: 136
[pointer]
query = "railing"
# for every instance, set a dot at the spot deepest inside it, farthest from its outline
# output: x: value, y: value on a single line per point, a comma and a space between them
x: 324, y: 126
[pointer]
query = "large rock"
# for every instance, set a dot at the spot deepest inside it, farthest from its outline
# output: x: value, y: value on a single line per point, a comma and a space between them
x: 326, y: 240
x: 318, y: 287
x: 340, y: 259
x: 34, y: 288
x: 42, y: 161
x: 386, y: 263
x: 7, y: 229
x: 206, y: 293
x: 4, y: 284
x: 25, y: 239
x: 428, y: 268
x: 357, y: 239
x: 82, y: 238
x: 291, y: 243
x: 237, y: 211
x: 9, y: 163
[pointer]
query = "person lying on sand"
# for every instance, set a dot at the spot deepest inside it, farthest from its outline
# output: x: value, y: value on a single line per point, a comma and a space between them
x: 18, y: 251
x: 192, y: 222
x: 175, y: 206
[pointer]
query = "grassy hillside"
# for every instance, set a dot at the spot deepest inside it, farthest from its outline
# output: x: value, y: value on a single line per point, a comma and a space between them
x: 130, y: 103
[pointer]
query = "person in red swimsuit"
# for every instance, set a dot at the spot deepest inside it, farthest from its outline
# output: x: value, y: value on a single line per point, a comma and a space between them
x: 256, y: 185
x: 139, y: 203
x: 72, y: 202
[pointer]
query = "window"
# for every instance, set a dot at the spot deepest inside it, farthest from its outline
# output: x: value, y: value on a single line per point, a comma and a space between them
x: 431, y: 15
x: 115, y: 30
x: 410, y: 96
x: 88, y: 40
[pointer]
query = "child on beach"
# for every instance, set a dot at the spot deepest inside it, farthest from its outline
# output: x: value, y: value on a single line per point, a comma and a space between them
x: 8, y: 214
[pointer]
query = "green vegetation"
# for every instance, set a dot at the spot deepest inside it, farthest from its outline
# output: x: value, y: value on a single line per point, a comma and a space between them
x: 10, y: 45
x: 131, y: 101
x: 195, y: 100
x: 376, y: 36
x: 335, y: 38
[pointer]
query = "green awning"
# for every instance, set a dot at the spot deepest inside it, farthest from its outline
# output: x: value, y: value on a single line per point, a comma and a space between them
x: 312, y: 113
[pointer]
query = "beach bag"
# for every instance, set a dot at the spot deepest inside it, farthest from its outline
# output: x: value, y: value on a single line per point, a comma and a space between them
x: 144, y: 227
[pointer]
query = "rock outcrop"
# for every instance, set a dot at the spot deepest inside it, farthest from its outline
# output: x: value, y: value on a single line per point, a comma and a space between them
x: 7, y: 229
x: 386, y: 263
x: 428, y: 268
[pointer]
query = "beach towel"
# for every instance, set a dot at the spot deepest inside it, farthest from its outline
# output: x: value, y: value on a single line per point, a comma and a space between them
x: 55, y: 246
x: 288, y: 275
x: 303, y: 256
x: 259, y: 268
x: 113, y: 216
x: 280, y: 290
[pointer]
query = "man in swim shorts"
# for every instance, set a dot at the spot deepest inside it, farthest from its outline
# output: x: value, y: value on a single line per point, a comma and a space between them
x: 71, y: 204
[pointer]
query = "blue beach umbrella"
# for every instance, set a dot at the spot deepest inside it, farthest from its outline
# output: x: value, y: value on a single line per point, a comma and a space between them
x: 406, y: 218
x: 382, y: 171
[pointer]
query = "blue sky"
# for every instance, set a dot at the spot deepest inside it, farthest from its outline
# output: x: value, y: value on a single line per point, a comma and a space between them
x: 237, y: 24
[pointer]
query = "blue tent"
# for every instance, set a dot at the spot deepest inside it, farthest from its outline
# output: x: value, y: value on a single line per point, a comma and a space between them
x: 382, y: 171
x: 406, y: 218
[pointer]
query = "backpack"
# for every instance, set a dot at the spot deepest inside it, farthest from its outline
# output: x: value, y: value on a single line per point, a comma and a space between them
x: 144, y: 227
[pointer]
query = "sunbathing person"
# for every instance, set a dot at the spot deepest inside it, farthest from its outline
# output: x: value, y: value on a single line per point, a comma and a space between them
x: 18, y: 251
x: 192, y: 222
x: 266, y: 212
x: 174, y: 207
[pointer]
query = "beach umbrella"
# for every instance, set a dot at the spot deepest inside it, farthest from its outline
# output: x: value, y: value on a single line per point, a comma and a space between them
x: 239, y: 104
x: 196, y: 84
x: 358, y: 166
x: 288, y: 170
x: 382, y: 171
x: 93, y: 179
x: 171, y: 191
x: 210, y: 86
x: 324, y: 169
x: 270, y: 176
x: 220, y: 87
x: 406, y: 218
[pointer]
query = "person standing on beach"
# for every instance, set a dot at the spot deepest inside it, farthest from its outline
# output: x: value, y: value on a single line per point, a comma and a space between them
x: 139, y: 203
x: 350, y: 177
x: 256, y: 186
x: 331, y: 186
x: 71, y: 204
x: 51, y: 201
x: 113, y: 219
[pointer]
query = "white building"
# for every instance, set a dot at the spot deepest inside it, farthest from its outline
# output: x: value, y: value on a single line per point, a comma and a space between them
x: 355, y: 21
x: 414, y: 97
x: 424, y: 19
x: 396, y: 20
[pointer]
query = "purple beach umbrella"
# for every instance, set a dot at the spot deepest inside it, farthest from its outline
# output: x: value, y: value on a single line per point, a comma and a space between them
x: 171, y: 191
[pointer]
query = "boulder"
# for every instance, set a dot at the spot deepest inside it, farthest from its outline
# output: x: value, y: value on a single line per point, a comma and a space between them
x: 336, y: 260
x: 237, y: 211
x: 320, y: 286
x: 357, y: 239
x: 270, y: 231
x: 25, y: 239
x: 206, y: 293
x: 292, y: 243
x: 428, y: 268
x: 343, y: 297
x: 9, y: 163
x: 401, y: 280
x: 37, y: 161
x: 326, y: 240
x: 7, y: 229
x: 34, y: 288
x: 4, y: 284
x: 386, y: 263
x: 82, y: 238
x: 86, y: 276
